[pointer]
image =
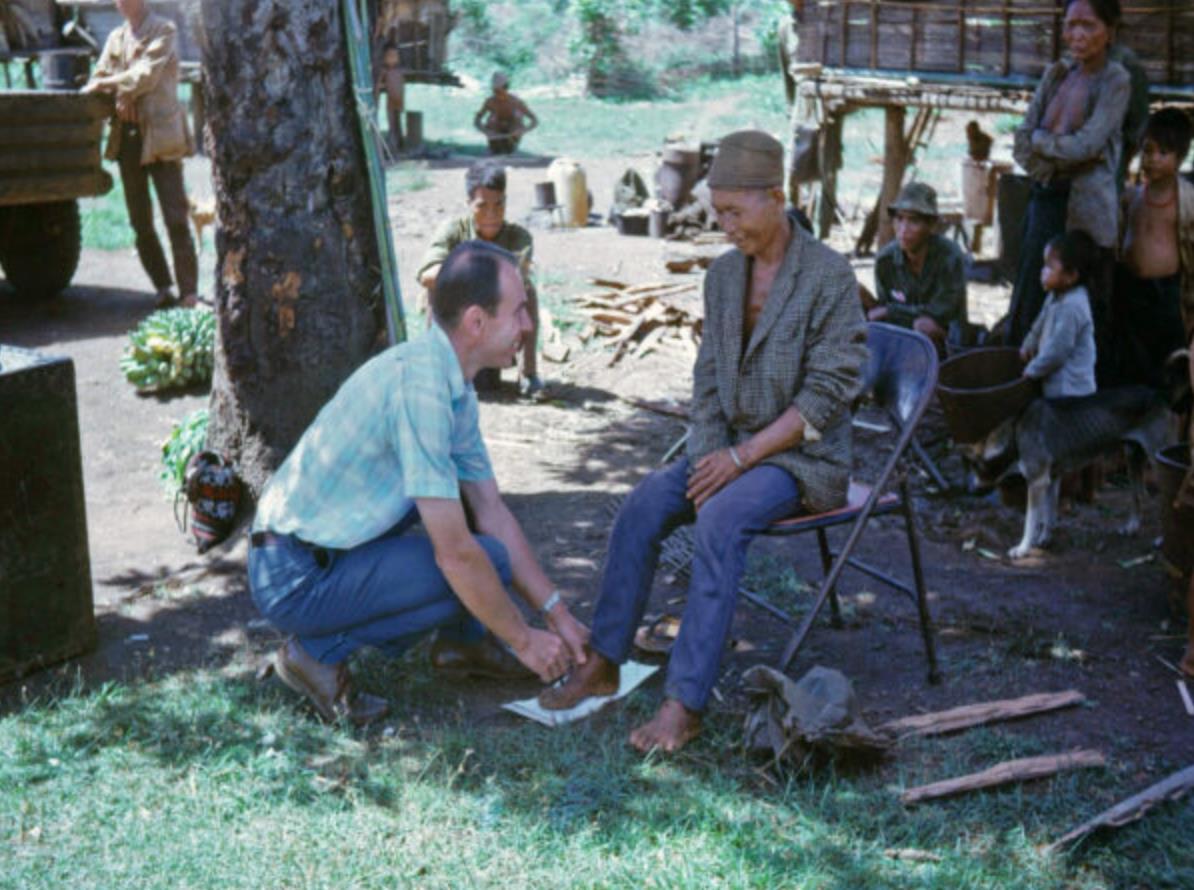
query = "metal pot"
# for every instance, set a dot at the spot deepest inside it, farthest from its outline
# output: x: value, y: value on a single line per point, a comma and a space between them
x: 64, y: 69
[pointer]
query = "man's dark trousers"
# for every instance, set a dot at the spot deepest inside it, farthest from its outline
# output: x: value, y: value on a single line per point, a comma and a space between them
x: 172, y: 198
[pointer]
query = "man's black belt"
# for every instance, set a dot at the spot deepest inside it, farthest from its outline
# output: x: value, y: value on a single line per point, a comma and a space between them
x: 267, y: 538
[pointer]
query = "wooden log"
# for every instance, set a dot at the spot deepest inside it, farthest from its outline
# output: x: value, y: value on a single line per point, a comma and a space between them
x: 1131, y: 809
x: 27, y: 108
x: 966, y: 716
x: 608, y: 282
x: 36, y: 189
x: 1003, y: 773
x: 86, y: 132
x: 606, y: 316
x: 50, y: 159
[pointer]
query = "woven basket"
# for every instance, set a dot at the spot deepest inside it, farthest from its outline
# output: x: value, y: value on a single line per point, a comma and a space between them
x: 981, y: 388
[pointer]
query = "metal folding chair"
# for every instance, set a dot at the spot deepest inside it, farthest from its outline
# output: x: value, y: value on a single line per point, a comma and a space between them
x: 901, y: 378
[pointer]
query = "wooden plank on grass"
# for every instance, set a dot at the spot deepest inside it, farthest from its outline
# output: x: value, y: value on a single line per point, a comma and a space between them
x: 966, y: 716
x: 1133, y: 808
x: 1008, y: 771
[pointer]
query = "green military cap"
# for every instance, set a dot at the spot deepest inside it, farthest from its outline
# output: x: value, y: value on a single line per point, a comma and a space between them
x: 916, y: 197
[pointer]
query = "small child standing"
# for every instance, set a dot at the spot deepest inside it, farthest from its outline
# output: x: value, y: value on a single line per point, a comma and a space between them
x: 392, y: 82
x: 1060, y: 347
x: 1152, y: 275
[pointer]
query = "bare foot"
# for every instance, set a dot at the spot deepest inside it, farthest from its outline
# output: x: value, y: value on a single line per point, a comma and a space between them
x: 597, y: 676
x: 1187, y: 662
x: 672, y: 727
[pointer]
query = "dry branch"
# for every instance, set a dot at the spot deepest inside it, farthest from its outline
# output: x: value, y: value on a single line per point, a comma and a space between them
x: 1008, y: 771
x: 964, y: 717
x: 1132, y: 808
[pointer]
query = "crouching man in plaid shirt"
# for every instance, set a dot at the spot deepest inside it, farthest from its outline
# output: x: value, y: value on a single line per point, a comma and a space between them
x: 780, y: 362
x: 336, y: 560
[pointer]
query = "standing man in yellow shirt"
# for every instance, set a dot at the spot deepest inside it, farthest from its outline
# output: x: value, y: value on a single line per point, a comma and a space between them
x: 149, y: 138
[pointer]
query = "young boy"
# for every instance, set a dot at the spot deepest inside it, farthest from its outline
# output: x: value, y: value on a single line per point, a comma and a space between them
x: 504, y: 118
x: 485, y: 183
x: 1060, y: 347
x: 1149, y: 280
x: 392, y: 82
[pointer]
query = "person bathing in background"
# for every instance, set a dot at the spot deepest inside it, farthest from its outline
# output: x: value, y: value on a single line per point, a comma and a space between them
x: 1158, y: 236
x: 779, y: 366
x: 392, y: 82
x: 504, y: 118
x: 1060, y: 347
x: 485, y: 183
x: 920, y: 276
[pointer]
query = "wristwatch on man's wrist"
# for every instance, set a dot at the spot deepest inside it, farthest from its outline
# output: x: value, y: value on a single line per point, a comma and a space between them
x: 551, y: 603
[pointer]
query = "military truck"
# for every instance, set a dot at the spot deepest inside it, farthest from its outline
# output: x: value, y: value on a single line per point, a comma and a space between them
x: 50, y: 140
x: 49, y: 158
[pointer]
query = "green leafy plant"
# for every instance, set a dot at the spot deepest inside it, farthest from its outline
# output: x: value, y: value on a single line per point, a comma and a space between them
x: 170, y: 349
x: 187, y: 439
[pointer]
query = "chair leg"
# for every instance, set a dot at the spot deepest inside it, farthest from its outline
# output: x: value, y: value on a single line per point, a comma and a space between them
x: 835, y: 607
x: 922, y: 602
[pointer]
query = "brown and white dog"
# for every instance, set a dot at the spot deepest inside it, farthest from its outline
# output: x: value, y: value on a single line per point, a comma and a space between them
x: 1053, y: 437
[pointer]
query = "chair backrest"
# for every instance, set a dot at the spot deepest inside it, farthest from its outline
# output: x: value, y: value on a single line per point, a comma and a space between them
x: 901, y: 374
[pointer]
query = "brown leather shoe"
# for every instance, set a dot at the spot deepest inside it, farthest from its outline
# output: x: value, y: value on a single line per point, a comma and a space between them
x: 327, y: 687
x: 486, y: 659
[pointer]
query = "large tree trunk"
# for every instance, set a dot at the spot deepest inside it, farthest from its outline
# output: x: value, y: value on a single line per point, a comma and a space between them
x: 297, y: 280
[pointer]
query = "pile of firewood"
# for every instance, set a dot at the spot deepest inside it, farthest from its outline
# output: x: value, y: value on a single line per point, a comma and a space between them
x: 640, y: 318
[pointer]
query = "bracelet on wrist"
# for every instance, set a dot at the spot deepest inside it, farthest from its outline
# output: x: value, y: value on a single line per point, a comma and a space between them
x: 736, y: 459
x: 551, y: 602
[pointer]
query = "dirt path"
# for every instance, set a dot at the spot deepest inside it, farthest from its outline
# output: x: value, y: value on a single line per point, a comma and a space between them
x: 1073, y: 619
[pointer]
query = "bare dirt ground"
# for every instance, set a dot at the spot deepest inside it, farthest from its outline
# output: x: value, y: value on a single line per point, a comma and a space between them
x: 1073, y: 618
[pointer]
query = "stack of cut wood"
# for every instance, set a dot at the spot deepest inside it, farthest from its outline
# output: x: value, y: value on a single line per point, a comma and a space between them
x: 640, y: 318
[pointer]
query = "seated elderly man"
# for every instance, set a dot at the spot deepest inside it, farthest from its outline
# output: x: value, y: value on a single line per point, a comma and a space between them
x: 920, y: 276
x: 780, y: 363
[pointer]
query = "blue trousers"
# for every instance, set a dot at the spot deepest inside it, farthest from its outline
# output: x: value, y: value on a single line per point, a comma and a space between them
x: 386, y: 593
x: 725, y: 526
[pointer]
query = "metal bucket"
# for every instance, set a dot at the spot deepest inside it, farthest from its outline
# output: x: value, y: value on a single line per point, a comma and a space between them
x: 1177, y: 524
x: 980, y: 389
x: 545, y: 196
x: 64, y: 69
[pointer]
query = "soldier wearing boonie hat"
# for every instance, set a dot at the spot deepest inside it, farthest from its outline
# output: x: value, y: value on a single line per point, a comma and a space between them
x: 920, y: 276
x: 780, y: 363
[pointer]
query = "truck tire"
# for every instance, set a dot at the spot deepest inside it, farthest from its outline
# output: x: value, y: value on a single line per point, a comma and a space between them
x: 39, y: 247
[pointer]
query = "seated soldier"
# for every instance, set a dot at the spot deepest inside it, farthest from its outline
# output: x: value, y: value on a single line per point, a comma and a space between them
x: 485, y: 183
x: 504, y: 118
x: 920, y: 276
x: 779, y: 365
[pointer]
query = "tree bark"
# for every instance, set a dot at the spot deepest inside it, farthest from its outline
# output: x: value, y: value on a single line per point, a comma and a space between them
x: 298, y: 289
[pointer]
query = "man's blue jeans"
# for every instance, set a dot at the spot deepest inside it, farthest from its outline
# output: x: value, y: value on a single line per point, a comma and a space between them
x: 386, y: 593
x: 725, y: 526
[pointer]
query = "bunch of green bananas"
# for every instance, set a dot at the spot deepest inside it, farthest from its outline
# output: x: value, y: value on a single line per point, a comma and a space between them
x: 170, y: 349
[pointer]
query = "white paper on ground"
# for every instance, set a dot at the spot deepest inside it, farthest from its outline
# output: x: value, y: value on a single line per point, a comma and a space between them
x: 633, y: 674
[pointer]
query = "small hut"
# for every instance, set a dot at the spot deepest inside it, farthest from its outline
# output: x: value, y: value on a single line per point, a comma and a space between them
x: 419, y: 29
x: 964, y: 55
x: 998, y: 42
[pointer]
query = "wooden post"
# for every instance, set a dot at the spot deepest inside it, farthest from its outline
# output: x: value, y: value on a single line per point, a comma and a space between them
x: 895, y: 161
x: 831, y: 159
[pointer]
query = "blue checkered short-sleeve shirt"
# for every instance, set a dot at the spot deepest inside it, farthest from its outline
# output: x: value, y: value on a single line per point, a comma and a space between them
x: 405, y: 425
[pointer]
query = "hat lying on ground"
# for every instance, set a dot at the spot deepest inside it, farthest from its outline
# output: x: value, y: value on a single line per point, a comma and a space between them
x: 747, y: 159
x: 916, y: 197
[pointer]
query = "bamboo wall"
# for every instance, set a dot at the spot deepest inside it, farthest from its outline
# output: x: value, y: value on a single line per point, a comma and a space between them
x: 985, y: 38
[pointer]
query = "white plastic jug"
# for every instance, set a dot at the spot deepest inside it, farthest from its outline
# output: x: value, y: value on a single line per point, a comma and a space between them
x: 571, y: 190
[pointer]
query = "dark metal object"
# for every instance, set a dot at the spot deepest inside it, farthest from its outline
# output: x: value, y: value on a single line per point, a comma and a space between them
x: 901, y: 375
x: 545, y: 196
x: 45, y: 574
x: 981, y: 388
x: 1177, y: 525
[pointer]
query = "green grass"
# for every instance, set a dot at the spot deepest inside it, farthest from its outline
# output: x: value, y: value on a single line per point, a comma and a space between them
x: 206, y: 780
x: 587, y: 127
